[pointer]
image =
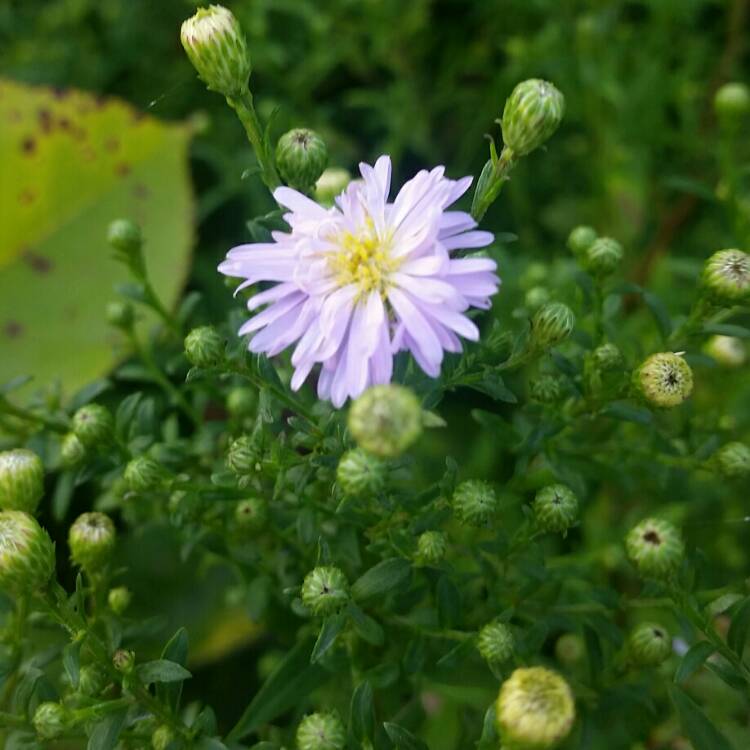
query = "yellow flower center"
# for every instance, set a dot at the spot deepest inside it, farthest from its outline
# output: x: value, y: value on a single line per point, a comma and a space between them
x: 363, y: 259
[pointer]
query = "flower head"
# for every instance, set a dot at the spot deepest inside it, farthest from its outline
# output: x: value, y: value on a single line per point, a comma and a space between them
x: 355, y: 283
x: 27, y: 555
x: 655, y: 547
x: 21, y: 480
x: 92, y: 540
x: 726, y: 277
x: 664, y: 380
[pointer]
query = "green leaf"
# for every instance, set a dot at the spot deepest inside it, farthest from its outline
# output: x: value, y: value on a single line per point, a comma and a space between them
x: 366, y: 627
x: 362, y: 713
x: 71, y: 658
x: 696, y: 725
x: 738, y: 630
x: 489, y: 739
x: 727, y: 329
x: 176, y: 651
x: 329, y: 632
x: 448, y: 602
x: 494, y: 386
x: 403, y: 739
x: 162, y: 670
x: 78, y: 162
x: 381, y: 579
x: 693, y: 660
x: 288, y: 684
x: 106, y: 732
x: 628, y: 413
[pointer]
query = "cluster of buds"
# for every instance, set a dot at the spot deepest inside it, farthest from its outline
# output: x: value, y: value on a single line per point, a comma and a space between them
x: 325, y: 590
x: 555, y: 508
x: 656, y: 548
x: 386, y: 420
x: 321, y: 731
x: 600, y: 256
x: 92, y: 540
x: 21, y: 480
x: 664, y: 380
x: 359, y: 473
x: 474, y: 502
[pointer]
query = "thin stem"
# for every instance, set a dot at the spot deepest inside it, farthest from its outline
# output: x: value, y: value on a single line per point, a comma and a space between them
x: 490, y: 190
x: 56, y: 425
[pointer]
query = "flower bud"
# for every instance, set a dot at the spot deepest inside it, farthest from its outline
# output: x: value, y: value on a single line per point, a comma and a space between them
x: 244, y: 456
x: 204, y: 347
x: 496, y: 643
x: 215, y: 45
x: 301, y: 157
x: 119, y: 599
x: 535, y: 709
x: 51, y: 720
x: 92, y: 541
x: 649, y: 645
x: 360, y: 473
x: 120, y: 315
x: 570, y: 648
x: 93, y: 425
x: 242, y: 402
x: 163, y: 737
x: 536, y: 297
x: 726, y: 277
x: 733, y: 460
x: 546, y: 389
x: 580, y: 239
x: 92, y: 680
x: 21, y: 480
x: 607, y: 357
x: 251, y: 514
x: 732, y: 103
x: 555, y: 508
x: 331, y: 184
x: 655, y: 547
x: 125, y: 237
x: 27, y: 555
x: 386, y: 420
x: 532, y: 113
x: 728, y: 351
x: 664, y: 380
x: 474, y: 502
x: 321, y: 732
x: 431, y: 548
x: 123, y: 661
x: 551, y: 325
x: 143, y: 473
x: 72, y: 451
x: 602, y: 257
x: 325, y: 590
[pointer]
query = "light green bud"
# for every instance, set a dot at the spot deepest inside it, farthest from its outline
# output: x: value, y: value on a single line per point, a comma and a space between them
x: 649, y: 645
x: 143, y: 473
x: 655, y: 547
x: 664, y: 380
x: 244, y: 456
x: 331, y: 184
x: 21, y: 480
x: 51, y: 720
x: 325, y: 590
x: 121, y: 315
x: 580, y: 239
x: 242, y: 402
x: 474, y: 502
x: 93, y: 426
x: 570, y: 648
x: 163, y: 738
x: 551, y: 325
x: 301, y: 157
x: 536, y: 297
x: 72, y: 451
x: 215, y: 45
x: 92, y: 541
x: 204, y: 347
x: 321, y: 732
x: 607, y: 357
x: 251, y: 514
x: 726, y: 277
x: 386, y: 420
x: 602, y: 257
x: 27, y: 555
x: 532, y: 113
x: 728, y: 351
x: 125, y: 236
x: 555, y: 508
x: 360, y: 473
x: 732, y: 104
x: 124, y: 661
x: 431, y: 548
x: 546, y: 389
x: 92, y: 680
x: 733, y: 460
x: 119, y: 599
x: 496, y: 643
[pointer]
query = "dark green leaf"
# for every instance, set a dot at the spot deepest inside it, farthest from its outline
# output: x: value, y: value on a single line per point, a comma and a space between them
x: 366, y: 627
x: 727, y: 329
x: 162, y: 670
x: 738, y: 630
x: 106, y: 732
x: 489, y: 739
x: 175, y: 651
x: 693, y: 660
x: 329, y: 632
x: 71, y: 658
x: 628, y: 413
x: 660, y: 313
x: 382, y: 578
x: 448, y: 602
x: 403, y: 739
x: 63, y: 494
x: 696, y: 725
x: 493, y: 386
x: 362, y: 713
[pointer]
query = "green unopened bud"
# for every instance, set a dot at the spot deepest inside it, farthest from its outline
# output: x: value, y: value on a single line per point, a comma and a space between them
x: 92, y: 680
x: 123, y: 661
x: 551, y: 325
x: 474, y: 502
x: 546, y: 389
x: 655, y: 547
x: 251, y: 514
x: 21, y: 480
x: 570, y: 648
x: 536, y: 297
x: 649, y: 645
x: 555, y: 508
x: 92, y: 541
x: 301, y: 157
x: 496, y: 643
x: 321, y: 732
x: 121, y: 315
x: 244, y: 456
x: 215, y: 45
x: 728, y: 351
x: 51, y: 720
x: 732, y: 104
x: 602, y: 257
x: 119, y: 599
x: 27, y: 555
x: 431, y: 548
x: 580, y: 239
x: 325, y: 590
x: 733, y: 460
x: 163, y: 738
x: 93, y: 426
x: 125, y: 237
x: 664, y: 380
x: 242, y: 402
x: 204, y: 347
x: 386, y: 420
x: 360, y: 473
x: 143, y: 473
x: 726, y: 277
x: 331, y: 184
x: 607, y: 357
x: 72, y: 451
x: 535, y: 709
x: 532, y: 113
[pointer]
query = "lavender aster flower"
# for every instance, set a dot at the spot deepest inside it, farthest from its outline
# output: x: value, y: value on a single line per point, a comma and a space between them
x: 358, y: 282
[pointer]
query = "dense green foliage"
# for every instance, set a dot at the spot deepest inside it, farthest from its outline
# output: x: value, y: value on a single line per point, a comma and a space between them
x: 515, y: 530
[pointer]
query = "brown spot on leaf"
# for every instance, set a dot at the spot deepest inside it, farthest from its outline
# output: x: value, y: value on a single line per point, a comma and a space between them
x: 37, y: 263
x: 13, y: 329
x: 26, y: 196
x: 45, y: 120
x: 141, y: 191
x: 14, y: 115
x: 112, y: 144
x: 59, y: 93
x: 63, y: 123
x: 28, y: 145
x: 122, y: 169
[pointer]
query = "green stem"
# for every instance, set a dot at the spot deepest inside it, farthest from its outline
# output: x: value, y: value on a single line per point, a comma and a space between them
x: 488, y: 190
x: 56, y: 425
x: 243, y: 106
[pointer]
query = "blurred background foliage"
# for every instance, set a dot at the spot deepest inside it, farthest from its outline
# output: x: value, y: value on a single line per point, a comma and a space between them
x: 639, y: 156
